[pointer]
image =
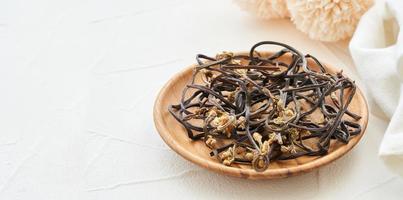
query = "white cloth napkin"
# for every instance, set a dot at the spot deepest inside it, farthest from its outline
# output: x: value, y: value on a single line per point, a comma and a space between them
x: 377, y: 50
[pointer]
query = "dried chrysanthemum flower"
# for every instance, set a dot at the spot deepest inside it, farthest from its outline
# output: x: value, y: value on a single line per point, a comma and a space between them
x: 240, y: 62
x: 235, y: 62
x: 265, y: 9
x: 260, y: 163
x: 285, y: 115
x: 230, y: 95
x: 327, y: 20
x: 210, y: 141
x: 241, y: 122
x: 288, y: 149
x: 275, y: 137
x: 264, y: 149
x: 241, y: 72
x: 295, y: 133
x: 228, y: 156
x: 263, y: 145
x: 224, y: 123
x: 249, y: 156
x: 258, y: 138
x: 224, y: 55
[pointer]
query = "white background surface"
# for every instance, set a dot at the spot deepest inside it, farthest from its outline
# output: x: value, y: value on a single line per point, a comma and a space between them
x: 78, y: 80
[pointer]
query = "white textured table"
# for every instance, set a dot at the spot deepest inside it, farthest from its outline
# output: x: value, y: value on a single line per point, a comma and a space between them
x: 78, y: 81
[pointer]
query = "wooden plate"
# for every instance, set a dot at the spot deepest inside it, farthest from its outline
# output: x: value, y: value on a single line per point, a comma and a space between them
x: 195, y: 151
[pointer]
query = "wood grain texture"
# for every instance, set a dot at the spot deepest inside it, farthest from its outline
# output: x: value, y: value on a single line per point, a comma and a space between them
x: 195, y: 151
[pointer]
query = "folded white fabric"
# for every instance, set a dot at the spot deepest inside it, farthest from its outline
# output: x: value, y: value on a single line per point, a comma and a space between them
x: 377, y: 51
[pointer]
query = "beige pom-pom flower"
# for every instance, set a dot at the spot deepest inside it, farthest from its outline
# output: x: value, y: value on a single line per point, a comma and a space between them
x: 327, y: 20
x: 265, y: 9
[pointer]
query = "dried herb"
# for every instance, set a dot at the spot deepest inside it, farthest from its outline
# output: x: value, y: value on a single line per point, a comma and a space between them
x: 251, y: 109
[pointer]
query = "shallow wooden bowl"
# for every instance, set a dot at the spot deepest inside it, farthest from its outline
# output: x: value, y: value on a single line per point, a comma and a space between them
x: 196, y: 151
